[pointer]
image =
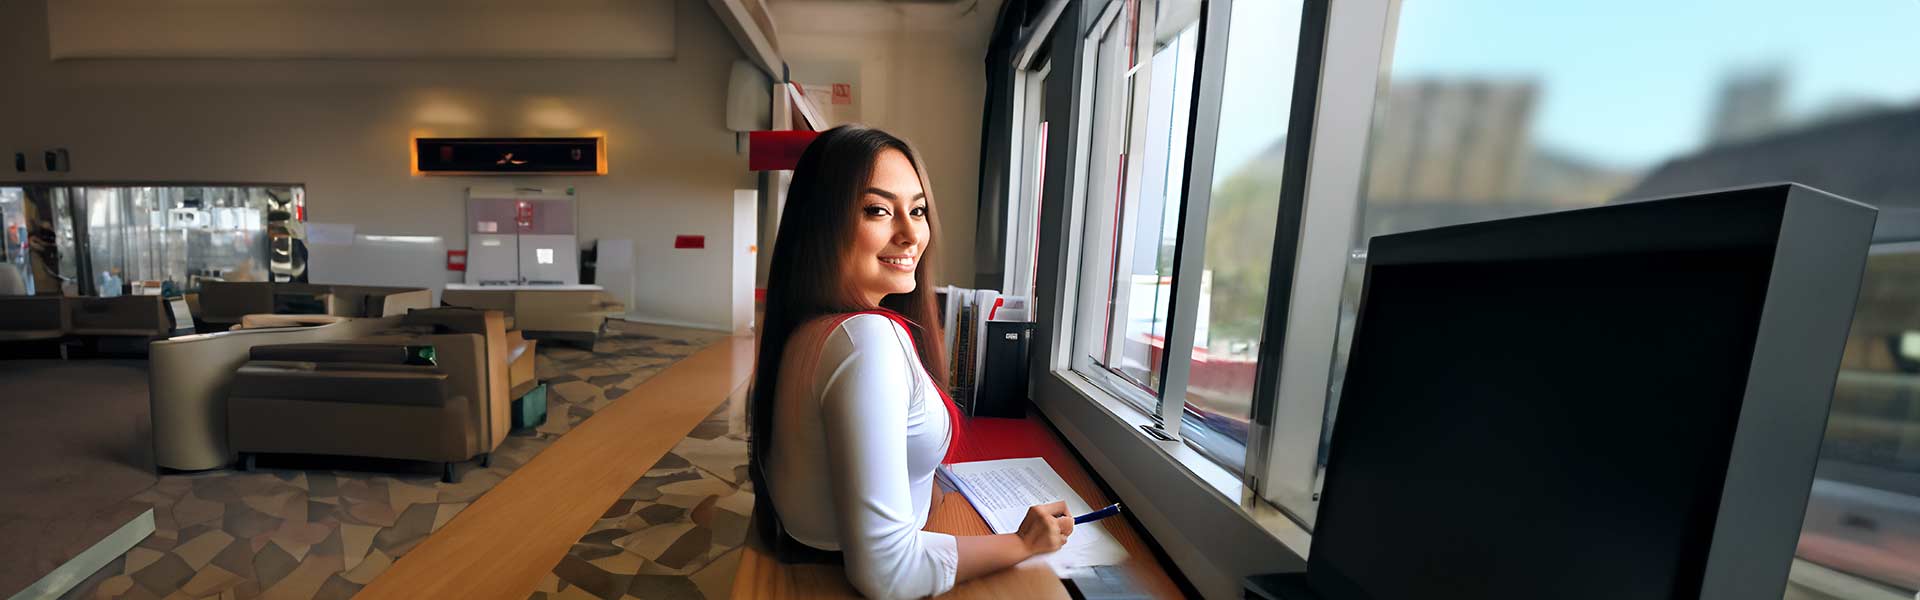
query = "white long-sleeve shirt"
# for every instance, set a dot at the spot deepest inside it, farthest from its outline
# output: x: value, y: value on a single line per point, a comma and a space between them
x: 858, y: 432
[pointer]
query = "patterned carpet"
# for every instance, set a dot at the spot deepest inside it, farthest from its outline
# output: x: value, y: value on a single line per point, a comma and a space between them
x: 315, y: 530
x: 676, y: 533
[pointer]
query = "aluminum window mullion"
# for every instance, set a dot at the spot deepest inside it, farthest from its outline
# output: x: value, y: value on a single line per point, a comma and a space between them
x: 1010, y: 242
x: 1286, y: 238
x: 82, y: 241
x: 1066, y: 342
x: 1190, y: 249
x: 1352, y: 77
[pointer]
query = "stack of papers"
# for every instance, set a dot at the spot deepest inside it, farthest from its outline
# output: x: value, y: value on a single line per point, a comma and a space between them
x: 1002, y: 490
x: 964, y: 316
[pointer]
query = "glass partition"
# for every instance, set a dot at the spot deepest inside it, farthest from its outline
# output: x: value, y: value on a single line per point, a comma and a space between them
x: 110, y: 236
x: 14, y: 233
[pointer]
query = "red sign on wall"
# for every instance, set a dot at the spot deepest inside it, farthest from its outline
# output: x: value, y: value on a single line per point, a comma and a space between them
x: 456, y: 260
x: 524, y: 215
x: 690, y: 241
x: 777, y: 150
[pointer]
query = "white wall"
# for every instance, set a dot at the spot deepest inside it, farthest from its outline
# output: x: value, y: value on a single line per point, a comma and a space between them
x: 361, y: 29
x: 922, y: 76
x: 342, y: 128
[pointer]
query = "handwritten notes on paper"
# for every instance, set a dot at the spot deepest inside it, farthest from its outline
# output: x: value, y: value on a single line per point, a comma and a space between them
x: 1002, y: 490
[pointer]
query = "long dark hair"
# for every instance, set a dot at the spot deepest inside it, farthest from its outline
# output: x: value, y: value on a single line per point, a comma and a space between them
x: 807, y: 280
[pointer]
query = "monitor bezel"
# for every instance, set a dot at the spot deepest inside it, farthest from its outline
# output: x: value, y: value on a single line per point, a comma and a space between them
x: 1820, y: 244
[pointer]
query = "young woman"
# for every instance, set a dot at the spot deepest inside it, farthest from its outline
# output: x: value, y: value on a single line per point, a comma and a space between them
x: 849, y: 420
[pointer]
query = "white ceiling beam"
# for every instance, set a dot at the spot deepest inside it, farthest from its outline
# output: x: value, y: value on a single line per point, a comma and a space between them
x: 756, y: 35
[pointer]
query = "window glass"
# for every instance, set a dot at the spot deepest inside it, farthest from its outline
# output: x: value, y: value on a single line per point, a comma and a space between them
x: 1497, y: 109
x: 1150, y: 221
x: 181, y: 234
x: 1106, y: 84
x: 13, y: 230
x: 1143, y: 67
x: 65, y: 244
x: 1243, y: 210
x: 1030, y: 150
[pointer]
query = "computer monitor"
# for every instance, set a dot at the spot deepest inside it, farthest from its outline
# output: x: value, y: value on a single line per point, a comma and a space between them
x: 1613, y: 403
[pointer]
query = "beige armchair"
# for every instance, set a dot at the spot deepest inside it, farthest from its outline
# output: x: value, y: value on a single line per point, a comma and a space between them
x: 351, y: 397
x: 189, y: 378
x: 365, y: 397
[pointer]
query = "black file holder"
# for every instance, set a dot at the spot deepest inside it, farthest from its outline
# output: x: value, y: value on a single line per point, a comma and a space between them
x: 1002, y: 389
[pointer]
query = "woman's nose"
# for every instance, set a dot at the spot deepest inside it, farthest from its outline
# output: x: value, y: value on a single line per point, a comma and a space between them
x: 905, y: 234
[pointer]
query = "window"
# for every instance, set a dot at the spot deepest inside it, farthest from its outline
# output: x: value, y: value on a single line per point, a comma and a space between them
x: 1255, y: 103
x: 177, y: 233
x: 14, y: 234
x: 1030, y: 168
x: 1142, y: 75
x: 1496, y: 109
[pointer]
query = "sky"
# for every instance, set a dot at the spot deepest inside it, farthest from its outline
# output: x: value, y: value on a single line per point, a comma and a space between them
x: 1630, y: 83
x: 1623, y: 83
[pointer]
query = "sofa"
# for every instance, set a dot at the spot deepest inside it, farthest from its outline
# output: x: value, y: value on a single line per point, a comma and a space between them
x: 189, y: 378
x: 306, y: 385
x: 121, y: 316
x: 575, y: 316
x: 55, y: 319
x: 220, y: 304
x: 27, y: 319
x: 376, y: 396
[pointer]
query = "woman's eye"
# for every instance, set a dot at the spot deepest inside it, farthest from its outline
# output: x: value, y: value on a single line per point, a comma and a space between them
x: 875, y: 211
x: 919, y: 211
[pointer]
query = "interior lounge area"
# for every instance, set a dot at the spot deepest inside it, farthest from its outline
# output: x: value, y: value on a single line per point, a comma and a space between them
x: 311, y: 299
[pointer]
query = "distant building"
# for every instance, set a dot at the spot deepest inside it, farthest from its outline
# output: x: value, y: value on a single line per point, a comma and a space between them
x: 1872, y: 158
x: 1465, y: 140
x: 1449, y: 151
x: 1748, y: 106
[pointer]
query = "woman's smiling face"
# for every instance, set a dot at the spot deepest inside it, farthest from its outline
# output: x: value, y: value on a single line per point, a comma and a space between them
x: 892, y: 230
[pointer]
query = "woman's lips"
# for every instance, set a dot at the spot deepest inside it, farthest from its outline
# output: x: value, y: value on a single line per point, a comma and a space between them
x: 904, y: 264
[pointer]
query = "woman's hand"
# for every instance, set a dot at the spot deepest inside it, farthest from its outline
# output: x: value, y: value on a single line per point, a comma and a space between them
x: 1046, y: 527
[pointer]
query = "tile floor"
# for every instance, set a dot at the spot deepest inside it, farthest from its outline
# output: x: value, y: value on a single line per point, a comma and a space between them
x: 676, y: 533
x: 323, y: 534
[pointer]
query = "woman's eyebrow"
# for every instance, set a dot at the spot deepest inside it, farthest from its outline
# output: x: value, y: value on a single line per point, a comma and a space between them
x: 892, y: 196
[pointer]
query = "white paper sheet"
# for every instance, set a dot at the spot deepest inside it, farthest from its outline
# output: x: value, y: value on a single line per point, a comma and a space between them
x: 1002, y: 490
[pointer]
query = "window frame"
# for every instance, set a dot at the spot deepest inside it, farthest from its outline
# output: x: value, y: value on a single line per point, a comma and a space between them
x: 1164, y: 402
x: 1217, y: 530
x: 1341, y: 78
x: 1091, y: 312
x: 1173, y: 490
x: 1024, y: 179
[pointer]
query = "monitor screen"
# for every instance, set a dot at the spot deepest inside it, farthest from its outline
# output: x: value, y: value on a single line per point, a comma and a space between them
x: 1539, y: 426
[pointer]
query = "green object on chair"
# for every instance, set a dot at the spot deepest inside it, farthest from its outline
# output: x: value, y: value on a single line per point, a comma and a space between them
x: 531, y: 410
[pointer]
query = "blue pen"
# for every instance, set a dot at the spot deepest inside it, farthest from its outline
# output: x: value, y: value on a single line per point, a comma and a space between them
x: 1098, y: 514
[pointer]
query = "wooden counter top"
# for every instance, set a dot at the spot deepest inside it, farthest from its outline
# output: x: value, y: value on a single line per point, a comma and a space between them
x: 760, y: 576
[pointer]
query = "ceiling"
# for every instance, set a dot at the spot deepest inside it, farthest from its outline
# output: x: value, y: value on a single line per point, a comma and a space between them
x: 965, y: 19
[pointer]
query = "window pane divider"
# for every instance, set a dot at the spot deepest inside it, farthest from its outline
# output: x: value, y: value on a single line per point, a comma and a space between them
x: 1190, y: 249
x: 1350, y: 76
x: 1308, y: 61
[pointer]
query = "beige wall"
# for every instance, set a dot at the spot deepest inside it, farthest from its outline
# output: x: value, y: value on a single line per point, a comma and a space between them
x: 341, y: 127
x: 922, y: 77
